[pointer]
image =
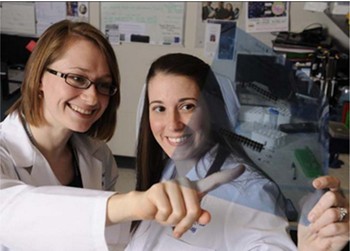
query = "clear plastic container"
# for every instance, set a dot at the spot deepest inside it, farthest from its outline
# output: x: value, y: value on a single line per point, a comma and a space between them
x: 273, y: 118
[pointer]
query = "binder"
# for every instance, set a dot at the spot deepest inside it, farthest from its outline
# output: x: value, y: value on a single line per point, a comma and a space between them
x: 231, y: 136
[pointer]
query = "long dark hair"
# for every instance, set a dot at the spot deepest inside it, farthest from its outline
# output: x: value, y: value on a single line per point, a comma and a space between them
x: 150, y: 156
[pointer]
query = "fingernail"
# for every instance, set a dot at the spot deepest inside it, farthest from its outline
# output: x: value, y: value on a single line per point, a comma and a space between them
x: 177, y: 235
x: 317, y: 183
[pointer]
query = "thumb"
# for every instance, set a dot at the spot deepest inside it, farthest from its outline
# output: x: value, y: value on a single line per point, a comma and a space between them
x: 219, y: 178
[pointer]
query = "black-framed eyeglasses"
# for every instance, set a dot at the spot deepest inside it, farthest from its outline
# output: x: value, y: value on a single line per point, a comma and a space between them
x: 80, y: 82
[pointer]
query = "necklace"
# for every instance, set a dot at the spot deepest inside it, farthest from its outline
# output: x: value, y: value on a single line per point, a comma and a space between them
x: 77, y: 180
x: 28, y: 130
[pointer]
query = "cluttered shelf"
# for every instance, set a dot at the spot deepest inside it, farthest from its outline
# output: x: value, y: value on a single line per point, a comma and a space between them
x: 301, y: 46
x: 314, y: 52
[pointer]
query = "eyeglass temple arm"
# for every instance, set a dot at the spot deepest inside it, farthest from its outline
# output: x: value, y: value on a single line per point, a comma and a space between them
x: 59, y: 74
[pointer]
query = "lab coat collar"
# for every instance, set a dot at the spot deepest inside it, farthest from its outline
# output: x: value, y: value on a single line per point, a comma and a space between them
x: 13, y: 132
x: 195, y: 173
x: 27, y: 156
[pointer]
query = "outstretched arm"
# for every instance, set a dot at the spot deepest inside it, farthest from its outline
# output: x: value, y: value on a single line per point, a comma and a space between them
x: 174, y: 202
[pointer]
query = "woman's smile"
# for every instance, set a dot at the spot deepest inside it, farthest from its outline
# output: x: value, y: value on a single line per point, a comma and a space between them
x: 80, y: 110
x: 178, y: 141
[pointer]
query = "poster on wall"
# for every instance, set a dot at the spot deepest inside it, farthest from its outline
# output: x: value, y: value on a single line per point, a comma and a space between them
x: 160, y: 23
x: 267, y: 16
x: 221, y: 10
x: 214, y: 11
x: 48, y: 13
x: 77, y: 11
x: 220, y: 39
x: 211, y: 41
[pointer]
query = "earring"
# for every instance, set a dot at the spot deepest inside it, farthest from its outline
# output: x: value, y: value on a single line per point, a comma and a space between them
x: 41, y: 94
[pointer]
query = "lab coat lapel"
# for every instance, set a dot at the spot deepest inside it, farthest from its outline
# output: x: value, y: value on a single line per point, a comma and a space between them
x: 41, y: 173
x: 90, y: 166
x: 91, y: 172
x: 31, y: 166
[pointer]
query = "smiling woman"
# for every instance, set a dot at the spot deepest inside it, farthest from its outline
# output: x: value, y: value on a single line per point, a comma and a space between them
x: 53, y: 137
x: 68, y: 105
x: 180, y: 135
x: 52, y: 107
x: 175, y: 107
x: 65, y: 46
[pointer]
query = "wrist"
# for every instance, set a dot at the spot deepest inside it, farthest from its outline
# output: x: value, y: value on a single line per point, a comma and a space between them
x: 122, y: 207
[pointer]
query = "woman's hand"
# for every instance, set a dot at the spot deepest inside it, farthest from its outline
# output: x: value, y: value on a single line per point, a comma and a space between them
x: 329, y: 219
x: 175, y: 202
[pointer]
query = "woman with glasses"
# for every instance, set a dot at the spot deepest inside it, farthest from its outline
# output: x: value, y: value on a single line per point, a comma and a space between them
x: 52, y: 144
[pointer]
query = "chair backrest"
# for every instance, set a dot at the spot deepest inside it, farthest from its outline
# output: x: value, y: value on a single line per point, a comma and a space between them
x: 232, y: 104
x: 139, y: 109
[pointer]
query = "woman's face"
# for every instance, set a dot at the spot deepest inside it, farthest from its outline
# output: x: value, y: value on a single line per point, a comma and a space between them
x: 177, y: 115
x: 66, y: 107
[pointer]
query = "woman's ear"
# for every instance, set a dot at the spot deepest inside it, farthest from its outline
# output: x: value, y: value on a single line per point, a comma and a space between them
x: 40, y: 89
x: 40, y: 94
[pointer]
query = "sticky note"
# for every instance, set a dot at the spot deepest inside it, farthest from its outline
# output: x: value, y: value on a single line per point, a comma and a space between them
x: 30, y: 46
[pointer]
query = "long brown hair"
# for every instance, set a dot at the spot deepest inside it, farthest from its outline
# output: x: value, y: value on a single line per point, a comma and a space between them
x: 150, y: 155
x: 151, y: 158
x: 50, y: 46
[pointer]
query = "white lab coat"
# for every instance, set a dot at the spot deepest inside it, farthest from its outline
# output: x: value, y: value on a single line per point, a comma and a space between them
x: 37, y: 212
x: 245, y: 216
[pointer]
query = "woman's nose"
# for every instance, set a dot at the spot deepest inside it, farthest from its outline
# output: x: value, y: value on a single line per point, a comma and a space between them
x: 174, y: 121
x: 90, y: 95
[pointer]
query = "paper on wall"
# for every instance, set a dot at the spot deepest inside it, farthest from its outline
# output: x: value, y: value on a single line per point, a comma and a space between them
x: 212, y: 38
x: 267, y: 16
x: 18, y: 18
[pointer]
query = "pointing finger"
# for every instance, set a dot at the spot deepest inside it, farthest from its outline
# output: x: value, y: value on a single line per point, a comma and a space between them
x: 219, y: 178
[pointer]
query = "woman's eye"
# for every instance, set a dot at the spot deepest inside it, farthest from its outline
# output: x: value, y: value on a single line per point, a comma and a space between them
x: 188, y: 107
x: 105, y: 86
x: 77, y: 79
x: 158, y: 109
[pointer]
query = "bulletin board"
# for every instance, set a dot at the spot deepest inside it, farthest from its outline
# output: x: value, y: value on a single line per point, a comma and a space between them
x: 159, y: 23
